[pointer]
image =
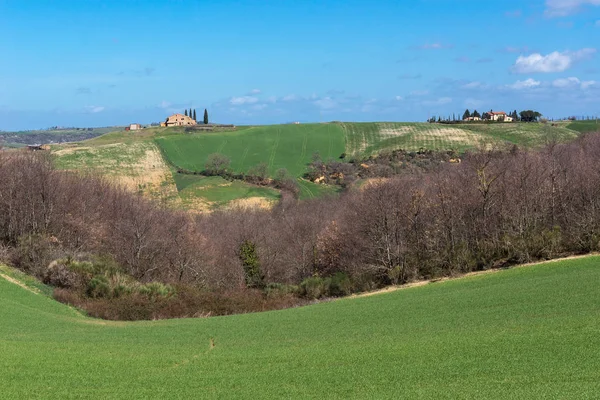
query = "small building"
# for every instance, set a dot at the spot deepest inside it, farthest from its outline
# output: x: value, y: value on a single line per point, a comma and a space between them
x: 499, y: 116
x: 135, y: 127
x: 178, y: 120
x: 472, y: 119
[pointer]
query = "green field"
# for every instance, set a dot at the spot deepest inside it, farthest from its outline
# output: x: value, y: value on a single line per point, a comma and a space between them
x: 216, y: 192
x: 525, y: 333
x: 370, y: 138
x: 585, y: 126
x: 279, y: 146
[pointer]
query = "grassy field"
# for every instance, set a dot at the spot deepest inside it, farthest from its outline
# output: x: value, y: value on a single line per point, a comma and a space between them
x: 525, y: 333
x: 370, y: 138
x: 585, y: 126
x: 123, y: 156
x: 134, y: 160
x: 279, y: 146
x: 138, y: 165
x: 208, y: 193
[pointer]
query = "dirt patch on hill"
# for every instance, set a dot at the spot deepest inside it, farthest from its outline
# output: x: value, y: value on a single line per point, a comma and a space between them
x: 454, y: 135
x: 138, y: 167
x: 251, y: 202
x: 397, y: 131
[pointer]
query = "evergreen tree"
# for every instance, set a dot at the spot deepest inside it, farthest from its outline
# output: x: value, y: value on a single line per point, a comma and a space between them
x: 467, y: 114
x: 205, y: 116
x: 476, y: 114
x: 185, y: 113
x: 194, y: 117
x: 190, y: 113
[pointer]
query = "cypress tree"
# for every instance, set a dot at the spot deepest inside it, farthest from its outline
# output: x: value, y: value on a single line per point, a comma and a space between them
x: 194, y: 117
x: 185, y: 112
x: 205, y: 116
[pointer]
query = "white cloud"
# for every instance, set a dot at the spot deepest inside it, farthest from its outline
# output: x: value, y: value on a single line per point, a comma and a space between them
x: 94, y: 109
x: 399, y: 98
x: 255, y: 91
x: 553, y: 62
x: 236, y: 101
x: 566, y: 82
x: 588, y: 84
x: 562, y: 8
x: 326, y: 103
x: 472, y: 85
x: 526, y: 84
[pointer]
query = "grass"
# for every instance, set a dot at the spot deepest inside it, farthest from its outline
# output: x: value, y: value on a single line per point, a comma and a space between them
x: 120, y: 154
x: 279, y: 146
x: 519, y: 334
x: 217, y: 192
x: 585, y: 126
x: 370, y: 138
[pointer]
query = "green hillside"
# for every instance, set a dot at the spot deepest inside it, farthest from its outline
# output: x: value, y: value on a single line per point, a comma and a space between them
x: 279, y: 146
x: 524, y: 333
x: 141, y: 160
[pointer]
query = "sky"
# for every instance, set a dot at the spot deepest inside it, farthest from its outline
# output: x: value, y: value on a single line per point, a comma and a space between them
x: 115, y: 62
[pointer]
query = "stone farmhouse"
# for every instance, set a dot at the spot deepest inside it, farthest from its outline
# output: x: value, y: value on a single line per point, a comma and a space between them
x: 178, y: 120
x: 499, y: 116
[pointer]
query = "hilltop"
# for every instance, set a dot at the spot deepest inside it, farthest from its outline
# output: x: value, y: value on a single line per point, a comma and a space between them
x: 521, y: 333
x: 147, y: 161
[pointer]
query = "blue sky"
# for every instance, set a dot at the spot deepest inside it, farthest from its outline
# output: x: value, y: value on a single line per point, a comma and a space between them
x: 114, y: 62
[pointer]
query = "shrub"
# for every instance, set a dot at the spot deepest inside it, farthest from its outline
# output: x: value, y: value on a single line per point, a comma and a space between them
x: 59, y: 275
x: 315, y: 287
x: 217, y: 164
x: 98, y: 286
x: 340, y: 285
x: 154, y: 290
x: 252, y: 273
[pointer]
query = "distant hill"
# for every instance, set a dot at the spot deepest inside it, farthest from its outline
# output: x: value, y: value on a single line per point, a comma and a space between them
x: 52, y: 136
x: 147, y: 160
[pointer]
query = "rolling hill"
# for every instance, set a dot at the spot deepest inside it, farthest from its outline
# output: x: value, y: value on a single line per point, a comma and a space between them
x: 522, y: 333
x: 134, y: 158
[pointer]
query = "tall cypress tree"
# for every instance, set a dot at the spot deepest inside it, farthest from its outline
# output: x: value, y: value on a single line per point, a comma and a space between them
x: 185, y: 112
x: 194, y: 117
x: 190, y: 114
x: 205, y: 116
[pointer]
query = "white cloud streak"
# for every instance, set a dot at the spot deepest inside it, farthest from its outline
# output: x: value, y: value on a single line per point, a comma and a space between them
x: 553, y: 62
x: 563, y: 8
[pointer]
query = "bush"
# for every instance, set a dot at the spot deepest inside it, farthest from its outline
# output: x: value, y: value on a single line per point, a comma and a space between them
x: 217, y: 164
x: 315, y: 287
x: 154, y: 290
x: 252, y: 273
x: 340, y: 285
x: 98, y: 286
x: 59, y: 275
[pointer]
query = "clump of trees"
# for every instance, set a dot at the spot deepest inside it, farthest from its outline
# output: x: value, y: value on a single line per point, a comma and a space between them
x: 121, y: 256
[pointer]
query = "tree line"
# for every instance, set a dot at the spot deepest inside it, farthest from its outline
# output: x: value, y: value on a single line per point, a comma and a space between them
x: 192, y: 115
x: 524, y: 116
x: 138, y: 259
